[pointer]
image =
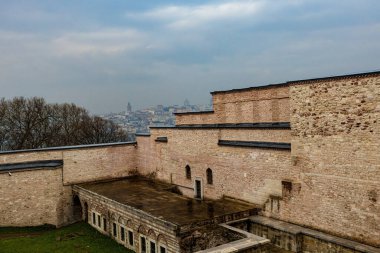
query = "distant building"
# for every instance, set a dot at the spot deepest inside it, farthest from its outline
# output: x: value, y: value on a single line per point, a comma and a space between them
x: 186, y: 103
x: 129, y: 108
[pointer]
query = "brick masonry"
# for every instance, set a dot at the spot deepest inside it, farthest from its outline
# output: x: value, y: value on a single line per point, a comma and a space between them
x: 37, y: 197
x: 268, y: 104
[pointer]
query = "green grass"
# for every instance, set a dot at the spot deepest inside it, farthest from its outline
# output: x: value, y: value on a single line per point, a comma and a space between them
x: 76, y: 238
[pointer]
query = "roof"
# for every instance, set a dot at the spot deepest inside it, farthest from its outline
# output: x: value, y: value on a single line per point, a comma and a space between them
x: 69, y: 147
x: 46, y: 164
x: 303, y: 81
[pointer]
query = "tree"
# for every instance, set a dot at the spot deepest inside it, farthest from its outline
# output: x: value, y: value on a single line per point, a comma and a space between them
x: 32, y: 123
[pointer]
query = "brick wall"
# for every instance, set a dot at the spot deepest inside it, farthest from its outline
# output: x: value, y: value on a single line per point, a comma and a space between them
x: 335, y: 143
x: 35, y: 197
x: 247, y: 173
x: 268, y: 104
x: 84, y: 165
x: 141, y: 224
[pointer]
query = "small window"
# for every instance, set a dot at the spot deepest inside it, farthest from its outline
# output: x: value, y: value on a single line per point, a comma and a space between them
x: 114, y: 229
x: 209, y: 176
x: 162, y: 249
x: 99, y: 221
x: 122, y: 234
x: 142, y: 244
x: 104, y: 224
x: 93, y: 218
x: 152, y: 247
x: 130, y: 238
x: 188, y: 172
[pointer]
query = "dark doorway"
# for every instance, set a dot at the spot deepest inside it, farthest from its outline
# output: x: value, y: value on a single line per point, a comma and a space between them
x: 77, y: 209
x: 198, y: 189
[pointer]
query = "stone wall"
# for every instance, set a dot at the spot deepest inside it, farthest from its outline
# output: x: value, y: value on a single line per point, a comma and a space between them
x: 35, y: 197
x: 84, y: 165
x: 336, y: 148
x: 38, y: 196
x: 159, y: 231
x: 264, y: 104
x: 250, y: 174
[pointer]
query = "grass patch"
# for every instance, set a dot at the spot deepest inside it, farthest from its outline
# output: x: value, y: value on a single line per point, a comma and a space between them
x: 78, y: 238
x: 17, y: 230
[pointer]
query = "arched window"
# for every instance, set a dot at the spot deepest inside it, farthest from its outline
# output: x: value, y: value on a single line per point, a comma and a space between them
x: 209, y: 176
x: 188, y: 172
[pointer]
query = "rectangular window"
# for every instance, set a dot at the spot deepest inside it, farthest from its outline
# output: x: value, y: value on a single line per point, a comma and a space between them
x: 122, y: 233
x: 130, y: 238
x: 142, y: 244
x: 99, y: 223
x: 162, y: 249
x: 152, y: 247
x: 93, y: 218
x: 104, y: 224
x: 114, y: 229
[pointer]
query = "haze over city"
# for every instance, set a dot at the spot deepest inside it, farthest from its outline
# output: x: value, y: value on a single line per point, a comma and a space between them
x: 103, y: 54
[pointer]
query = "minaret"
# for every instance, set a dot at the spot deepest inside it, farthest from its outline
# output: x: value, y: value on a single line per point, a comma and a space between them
x: 129, y: 108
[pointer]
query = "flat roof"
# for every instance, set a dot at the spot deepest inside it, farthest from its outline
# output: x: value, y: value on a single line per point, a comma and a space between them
x: 156, y: 199
x: 301, y: 81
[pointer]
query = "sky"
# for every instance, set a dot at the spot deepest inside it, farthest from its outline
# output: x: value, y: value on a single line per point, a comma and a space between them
x: 102, y: 54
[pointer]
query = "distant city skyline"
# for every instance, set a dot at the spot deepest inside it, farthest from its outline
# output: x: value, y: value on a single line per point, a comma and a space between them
x: 103, y: 54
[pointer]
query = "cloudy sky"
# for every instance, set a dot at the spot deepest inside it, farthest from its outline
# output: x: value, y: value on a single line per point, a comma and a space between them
x: 100, y: 54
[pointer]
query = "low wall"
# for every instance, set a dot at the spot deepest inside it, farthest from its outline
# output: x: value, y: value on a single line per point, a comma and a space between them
x: 35, y: 197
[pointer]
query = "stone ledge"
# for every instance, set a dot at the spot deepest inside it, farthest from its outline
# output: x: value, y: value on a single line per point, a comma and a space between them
x: 255, y: 144
x: 46, y: 164
x: 190, y: 113
x: 295, y: 229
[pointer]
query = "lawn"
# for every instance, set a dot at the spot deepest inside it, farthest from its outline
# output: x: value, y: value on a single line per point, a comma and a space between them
x: 76, y: 238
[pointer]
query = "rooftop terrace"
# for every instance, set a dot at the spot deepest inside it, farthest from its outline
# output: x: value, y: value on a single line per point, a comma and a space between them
x: 156, y: 199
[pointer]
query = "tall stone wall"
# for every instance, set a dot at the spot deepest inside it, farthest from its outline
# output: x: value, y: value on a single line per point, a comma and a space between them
x: 264, y: 104
x: 336, y: 148
x: 34, y: 197
x: 250, y: 174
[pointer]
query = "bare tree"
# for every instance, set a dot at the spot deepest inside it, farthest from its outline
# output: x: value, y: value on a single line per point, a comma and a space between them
x: 32, y: 123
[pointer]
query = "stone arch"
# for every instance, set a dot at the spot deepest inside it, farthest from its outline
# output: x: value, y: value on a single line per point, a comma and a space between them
x: 77, y: 208
x: 142, y: 230
x: 113, y: 217
x: 162, y: 240
x: 152, y: 234
x: 129, y: 224
x: 122, y: 221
